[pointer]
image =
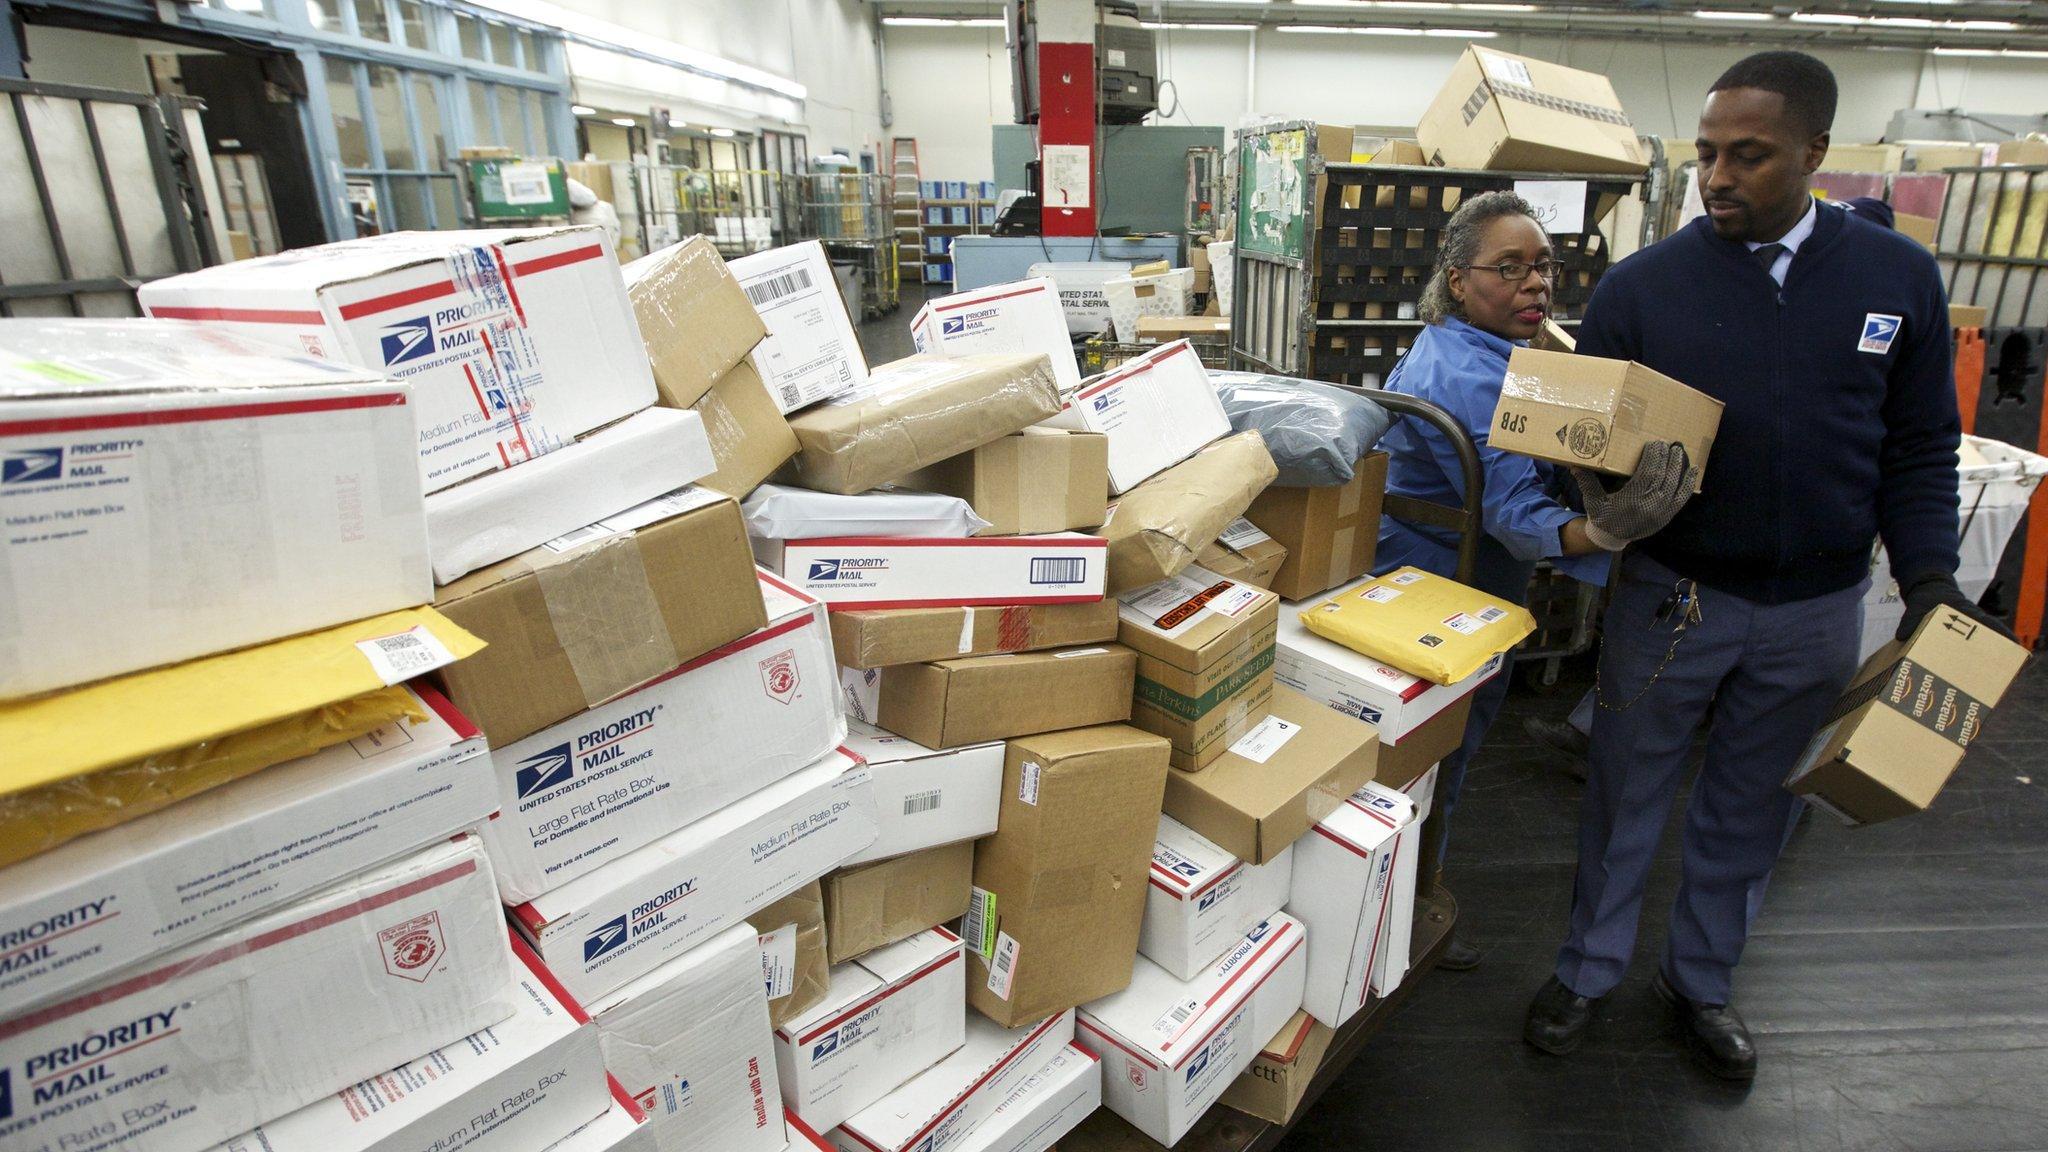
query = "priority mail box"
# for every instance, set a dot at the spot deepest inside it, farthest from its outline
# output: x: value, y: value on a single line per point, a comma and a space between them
x: 1045, y: 1106
x: 634, y: 913
x: 749, y: 437
x: 501, y: 515
x: 1201, y: 899
x: 1245, y: 553
x: 1157, y: 410
x: 1155, y: 529
x: 1515, y: 114
x: 1170, y: 1047
x: 810, y: 351
x: 875, y: 638
x: 595, y: 787
x: 170, y: 491
x: 924, y: 798
x: 1391, y: 965
x: 515, y: 340
x: 917, y: 572
x: 694, y: 318
x: 890, y: 1015
x: 1021, y: 317
x: 1205, y: 660
x: 940, y: 1108
x: 109, y: 899
x: 791, y: 933
x: 1342, y: 893
x: 690, y: 1042
x: 600, y: 612
x: 266, y: 1016
x: 980, y: 698
x: 1083, y: 305
x: 1037, y: 480
x: 620, y: 1128
x: 533, y: 1080
x: 883, y: 901
x: 1273, y: 1087
x: 1387, y: 698
x: 1330, y: 534
x: 1595, y: 413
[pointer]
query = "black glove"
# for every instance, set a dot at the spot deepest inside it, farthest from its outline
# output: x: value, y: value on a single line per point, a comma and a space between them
x: 1642, y: 506
x: 1938, y: 590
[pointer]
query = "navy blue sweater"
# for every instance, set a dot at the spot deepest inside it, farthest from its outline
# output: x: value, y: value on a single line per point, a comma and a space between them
x: 1841, y: 421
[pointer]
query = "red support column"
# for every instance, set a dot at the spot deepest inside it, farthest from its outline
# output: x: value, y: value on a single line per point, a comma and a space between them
x: 1066, y: 115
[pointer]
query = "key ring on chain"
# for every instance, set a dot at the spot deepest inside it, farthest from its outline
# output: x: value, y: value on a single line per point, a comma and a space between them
x: 1684, y: 603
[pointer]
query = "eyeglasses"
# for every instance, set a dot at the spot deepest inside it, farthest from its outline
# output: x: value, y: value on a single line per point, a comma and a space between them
x: 1516, y: 271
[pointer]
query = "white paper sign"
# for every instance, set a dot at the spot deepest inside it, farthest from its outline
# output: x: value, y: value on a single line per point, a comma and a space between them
x: 1066, y: 175
x: 1560, y: 204
x: 1259, y: 744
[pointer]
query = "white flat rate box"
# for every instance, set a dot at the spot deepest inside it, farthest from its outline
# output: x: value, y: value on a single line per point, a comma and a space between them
x: 1343, y: 878
x: 925, y: 798
x: 873, y: 572
x: 516, y: 340
x: 889, y: 1015
x: 1201, y: 900
x: 122, y: 895
x: 628, y: 772
x: 1170, y: 1047
x: 621, y: 1128
x: 267, y: 1016
x: 811, y: 352
x: 938, y: 1109
x: 167, y: 492
x: 1157, y: 411
x: 1392, y: 964
x: 1049, y: 1103
x: 1022, y: 318
x: 1389, y: 699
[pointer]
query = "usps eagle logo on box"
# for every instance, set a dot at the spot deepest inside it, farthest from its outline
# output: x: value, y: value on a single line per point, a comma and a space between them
x: 32, y: 465
x: 605, y: 940
x: 407, y: 340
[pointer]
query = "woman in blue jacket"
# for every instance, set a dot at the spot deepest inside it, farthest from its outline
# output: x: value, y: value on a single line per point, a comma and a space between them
x: 1489, y: 294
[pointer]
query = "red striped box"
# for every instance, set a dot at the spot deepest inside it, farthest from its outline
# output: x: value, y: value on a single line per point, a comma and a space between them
x: 940, y: 1108
x: 1345, y: 876
x: 1200, y: 900
x: 876, y: 572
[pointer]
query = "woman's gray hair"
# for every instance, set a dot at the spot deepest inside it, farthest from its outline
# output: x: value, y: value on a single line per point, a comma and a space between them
x: 1460, y: 247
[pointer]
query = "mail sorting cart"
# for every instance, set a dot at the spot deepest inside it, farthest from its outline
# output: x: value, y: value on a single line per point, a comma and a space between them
x: 1225, y: 1129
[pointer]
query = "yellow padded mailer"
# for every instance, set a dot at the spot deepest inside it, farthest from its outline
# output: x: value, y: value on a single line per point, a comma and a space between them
x: 1421, y: 623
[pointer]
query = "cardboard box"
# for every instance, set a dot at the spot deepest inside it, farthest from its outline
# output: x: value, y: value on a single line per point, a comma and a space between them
x: 1864, y: 158
x: 938, y: 1109
x: 1591, y: 412
x: 515, y: 340
x: 1156, y: 529
x: 694, y: 318
x: 1058, y: 894
x: 627, y: 918
x: 1939, y: 155
x: 1157, y: 410
x: 925, y: 798
x: 2027, y: 150
x: 242, y: 1025
x: 1205, y: 660
x: 620, y: 1128
x: 1551, y: 337
x: 600, y: 612
x: 1244, y: 553
x: 975, y: 699
x: 114, y: 898
x: 1080, y: 285
x: 1021, y: 318
x: 1514, y: 114
x: 533, y: 1080
x: 923, y: 572
x: 311, y: 516
x: 1272, y: 1088
x: 1330, y: 534
x: 879, y: 638
x: 1202, y: 899
x: 749, y: 437
x: 604, y: 782
x: 1163, y: 329
x: 1044, y: 1107
x: 810, y: 352
x: 1968, y: 316
x: 1921, y: 228
x: 791, y: 935
x: 1907, y: 720
x: 878, y: 903
x: 890, y: 1015
x: 1291, y: 770
x: 1150, y: 290
x: 1391, y: 700
x: 1342, y: 893
x: 1419, y: 622
x: 777, y: 513
x: 1170, y: 1047
x: 492, y: 518
x: 1039, y: 480
x: 917, y: 412
x: 690, y: 1041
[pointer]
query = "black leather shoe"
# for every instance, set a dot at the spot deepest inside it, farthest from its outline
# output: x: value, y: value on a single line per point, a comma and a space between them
x: 1459, y: 956
x: 1560, y: 737
x: 1557, y: 1018
x: 1716, y: 1033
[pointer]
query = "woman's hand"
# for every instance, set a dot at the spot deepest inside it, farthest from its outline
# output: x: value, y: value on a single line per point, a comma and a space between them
x: 1641, y: 507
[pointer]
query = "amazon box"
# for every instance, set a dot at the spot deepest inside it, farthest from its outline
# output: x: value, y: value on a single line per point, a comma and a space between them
x: 1292, y: 769
x: 694, y: 318
x: 1205, y: 660
x: 749, y: 437
x: 1059, y: 890
x: 1907, y: 720
x: 1156, y: 528
x: 1038, y: 480
x: 794, y: 969
x: 877, y: 638
x: 1330, y: 533
x: 1273, y: 1086
x: 1514, y: 114
x: 980, y: 698
x: 1596, y: 413
x: 883, y: 901
x: 1244, y: 553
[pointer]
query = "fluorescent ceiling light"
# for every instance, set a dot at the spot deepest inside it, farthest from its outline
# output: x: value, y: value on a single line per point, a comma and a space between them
x: 1903, y: 21
x: 1825, y: 18
x: 722, y: 132
x: 1966, y: 51
x: 1179, y: 27
x: 582, y: 110
x: 1983, y: 25
x: 675, y: 123
x: 1709, y: 14
x: 1496, y: 7
x: 1364, y: 30
x: 624, y: 121
x: 1927, y: 3
x: 2014, y: 53
x: 939, y: 22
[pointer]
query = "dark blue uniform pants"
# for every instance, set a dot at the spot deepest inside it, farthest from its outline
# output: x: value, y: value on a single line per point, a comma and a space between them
x: 1764, y: 676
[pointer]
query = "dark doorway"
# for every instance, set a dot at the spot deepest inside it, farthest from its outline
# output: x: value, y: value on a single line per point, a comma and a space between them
x: 252, y: 108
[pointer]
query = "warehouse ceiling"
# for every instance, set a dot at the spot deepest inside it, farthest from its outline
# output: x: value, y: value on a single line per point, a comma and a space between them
x: 2011, y: 28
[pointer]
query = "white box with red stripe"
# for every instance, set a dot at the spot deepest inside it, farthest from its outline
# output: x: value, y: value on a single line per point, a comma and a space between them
x: 622, y: 1128
x: 1157, y: 411
x: 889, y: 1015
x: 1050, y: 1103
x: 1170, y: 1047
x: 1392, y: 965
x: 1389, y: 699
x: 939, y: 1108
x: 188, y: 1049
x: 516, y: 340
x: 168, y: 492
x: 1022, y: 317
x: 622, y: 775
x: 924, y: 798
x: 875, y: 572
x: 1201, y: 900
x: 1344, y: 875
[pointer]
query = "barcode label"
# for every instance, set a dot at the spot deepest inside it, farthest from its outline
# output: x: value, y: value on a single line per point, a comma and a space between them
x: 792, y: 397
x: 978, y: 926
x: 1058, y: 570
x: 1491, y: 614
x: 1380, y: 594
x: 1242, y: 534
x: 1003, y: 968
x: 776, y: 287
x: 584, y: 535
x: 401, y: 657
x: 1177, y: 1016
x: 921, y: 802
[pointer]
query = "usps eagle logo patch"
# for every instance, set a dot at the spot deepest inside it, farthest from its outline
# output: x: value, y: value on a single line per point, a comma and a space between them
x: 1878, y: 332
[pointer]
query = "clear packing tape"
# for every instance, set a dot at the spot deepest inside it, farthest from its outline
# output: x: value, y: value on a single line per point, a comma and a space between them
x: 1155, y: 529
x: 1317, y: 433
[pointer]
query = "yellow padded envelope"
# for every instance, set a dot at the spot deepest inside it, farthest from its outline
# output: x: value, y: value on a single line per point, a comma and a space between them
x: 1421, y: 623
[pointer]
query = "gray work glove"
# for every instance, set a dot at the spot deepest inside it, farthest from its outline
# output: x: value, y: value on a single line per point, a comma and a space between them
x: 1645, y: 503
